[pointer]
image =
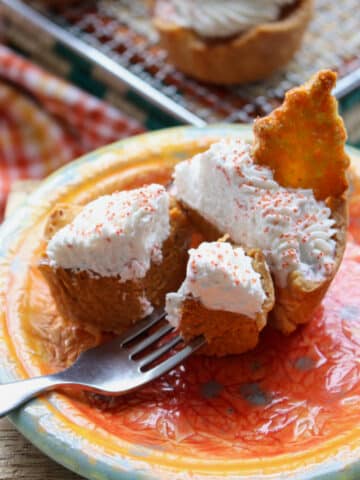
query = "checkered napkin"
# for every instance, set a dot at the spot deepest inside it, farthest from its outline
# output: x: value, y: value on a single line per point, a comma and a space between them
x: 45, y: 122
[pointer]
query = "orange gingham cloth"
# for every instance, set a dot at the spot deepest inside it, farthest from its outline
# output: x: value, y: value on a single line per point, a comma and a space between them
x: 46, y: 122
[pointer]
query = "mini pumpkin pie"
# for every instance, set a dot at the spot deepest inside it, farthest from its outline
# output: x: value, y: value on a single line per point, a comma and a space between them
x: 232, y: 41
x: 110, y: 263
x: 284, y: 195
x: 225, y: 296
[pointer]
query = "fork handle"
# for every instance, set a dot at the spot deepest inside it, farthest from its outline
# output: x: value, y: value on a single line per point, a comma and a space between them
x: 15, y: 394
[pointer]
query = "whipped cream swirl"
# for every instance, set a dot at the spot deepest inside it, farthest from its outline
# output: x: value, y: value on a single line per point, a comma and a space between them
x: 115, y: 235
x: 220, y: 19
x: 222, y: 278
x: 294, y: 230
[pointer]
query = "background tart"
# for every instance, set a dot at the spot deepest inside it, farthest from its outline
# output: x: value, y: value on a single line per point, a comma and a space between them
x: 232, y: 316
x: 245, y: 57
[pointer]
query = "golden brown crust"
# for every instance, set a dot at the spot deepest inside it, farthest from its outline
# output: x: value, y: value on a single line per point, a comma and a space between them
x: 105, y: 302
x: 250, y: 56
x: 228, y: 333
x: 296, y: 303
x: 303, y: 140
x: 259, y: 265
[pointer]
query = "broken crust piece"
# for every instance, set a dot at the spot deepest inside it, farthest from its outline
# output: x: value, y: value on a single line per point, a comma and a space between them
x: 105, y: 302
x: 226, y: 332
x: 303, y: 140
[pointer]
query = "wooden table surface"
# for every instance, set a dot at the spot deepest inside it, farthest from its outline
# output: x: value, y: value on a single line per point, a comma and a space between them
x: 19, y: 459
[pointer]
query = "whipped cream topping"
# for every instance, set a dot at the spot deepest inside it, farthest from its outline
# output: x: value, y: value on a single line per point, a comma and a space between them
x: 221, y: 277
x: 115, y: 235
x: 294, y: 230
x: 220, y: 19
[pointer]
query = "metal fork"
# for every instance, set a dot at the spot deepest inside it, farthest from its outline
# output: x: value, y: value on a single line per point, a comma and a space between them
x: 113, y: 368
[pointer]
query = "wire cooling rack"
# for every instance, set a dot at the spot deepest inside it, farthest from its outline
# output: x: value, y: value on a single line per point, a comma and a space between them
x: 118, y: 39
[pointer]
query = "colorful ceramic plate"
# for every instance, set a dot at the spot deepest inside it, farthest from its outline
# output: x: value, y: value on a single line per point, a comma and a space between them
x: 289, y: 409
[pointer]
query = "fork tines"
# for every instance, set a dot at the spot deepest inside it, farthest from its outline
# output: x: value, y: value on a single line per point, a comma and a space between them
x: 145, y: 350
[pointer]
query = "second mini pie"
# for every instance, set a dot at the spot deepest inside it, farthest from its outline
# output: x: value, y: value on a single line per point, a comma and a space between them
x: 231, y: 41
